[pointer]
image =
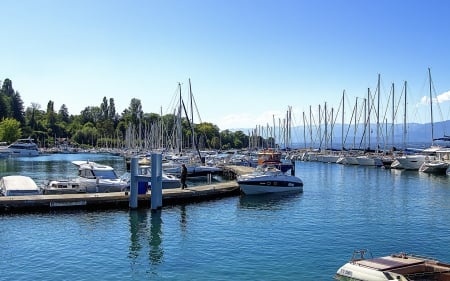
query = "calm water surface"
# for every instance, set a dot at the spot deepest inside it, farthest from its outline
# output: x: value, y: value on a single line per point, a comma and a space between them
x: 290, y: 237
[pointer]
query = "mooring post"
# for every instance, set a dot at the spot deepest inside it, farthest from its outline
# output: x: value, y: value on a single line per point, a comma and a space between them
x: 156, y: 193
x: 133, y: 199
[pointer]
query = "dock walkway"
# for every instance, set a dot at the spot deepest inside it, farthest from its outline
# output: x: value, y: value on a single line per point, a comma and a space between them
x: 172, y: 196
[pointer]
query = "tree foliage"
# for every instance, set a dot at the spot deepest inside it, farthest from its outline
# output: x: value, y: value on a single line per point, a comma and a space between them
x: 102, y: 126
x: 10, y: 130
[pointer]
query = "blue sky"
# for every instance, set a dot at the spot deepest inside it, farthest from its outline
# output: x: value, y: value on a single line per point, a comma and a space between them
x: 248, y: 60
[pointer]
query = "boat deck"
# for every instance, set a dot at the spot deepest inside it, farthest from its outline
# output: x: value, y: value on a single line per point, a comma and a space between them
x: 389, y: 262
x: 415, y: 268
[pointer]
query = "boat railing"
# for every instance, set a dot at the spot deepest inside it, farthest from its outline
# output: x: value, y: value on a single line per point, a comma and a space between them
x: 360, y: 255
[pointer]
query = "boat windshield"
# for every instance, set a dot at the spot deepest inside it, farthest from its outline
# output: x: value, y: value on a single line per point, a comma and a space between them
x: 106, y: 174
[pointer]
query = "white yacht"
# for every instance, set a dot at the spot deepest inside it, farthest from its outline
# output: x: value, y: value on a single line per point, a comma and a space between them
x: 92, y: 177
x: 269, y: 179
x: 439, y: 165
x: 399, y: 266
x: 20, y: 148
x: 168, y: 181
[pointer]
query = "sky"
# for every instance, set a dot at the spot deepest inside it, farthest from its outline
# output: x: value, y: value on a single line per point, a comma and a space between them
x: 248, y: 61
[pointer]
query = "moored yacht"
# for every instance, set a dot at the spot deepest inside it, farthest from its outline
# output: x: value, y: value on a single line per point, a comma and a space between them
x: 168, y: 181
x: 92, y: 177
x: 20, y: 148
x: 411, y: 162
x: 269, y: 179
x: 97, y: 177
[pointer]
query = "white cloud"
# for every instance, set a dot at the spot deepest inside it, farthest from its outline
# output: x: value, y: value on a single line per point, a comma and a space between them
x: 443, y: 97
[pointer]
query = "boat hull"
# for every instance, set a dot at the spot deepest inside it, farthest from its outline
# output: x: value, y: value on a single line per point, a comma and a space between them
x: 270, y: 184
x: 63, y: 187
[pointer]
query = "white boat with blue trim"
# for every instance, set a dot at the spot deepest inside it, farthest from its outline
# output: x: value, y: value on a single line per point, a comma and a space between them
x: 269, y: 179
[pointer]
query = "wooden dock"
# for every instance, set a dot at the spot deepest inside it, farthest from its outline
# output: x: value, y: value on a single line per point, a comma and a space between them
x: 96, y: 201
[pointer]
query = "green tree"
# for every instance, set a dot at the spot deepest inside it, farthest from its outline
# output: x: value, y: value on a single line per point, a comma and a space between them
x: 17, y: 108
x: 63, y: 114
x: 205, y: 132
x: 10, y: 130
x: 240, y: 140
x: 6, y: 93
x: 104, y: 109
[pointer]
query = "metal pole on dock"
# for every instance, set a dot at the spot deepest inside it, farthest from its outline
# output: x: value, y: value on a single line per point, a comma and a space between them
x: 156, y: 194
x: 133, y: 201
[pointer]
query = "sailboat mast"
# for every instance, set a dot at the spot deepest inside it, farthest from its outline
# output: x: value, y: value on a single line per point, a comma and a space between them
x: 404, y: 120
x: 179, y: 129
x: 192, y: 114
x: 368, y: 108
x: 310, y: 127
x: 355, y: 124
x: 393, y: 116
x: 378, y: 114
x: 304, y: 129
x: 431, y: 108
x: 342, y: 126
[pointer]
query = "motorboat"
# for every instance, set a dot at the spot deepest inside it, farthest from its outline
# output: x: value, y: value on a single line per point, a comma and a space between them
x: 434, y: 167
x: 168, y: 180
x: 20, y: 148
x: 17, y: 185
x: 69, y: 186
x: 274, y: 158
x: 269, y: 179
x: 401, y: 266
x: 414, y: 161
x: 193, y: 170
x: 97, y: 177
x: 439, y: 165
x: 411, y: 162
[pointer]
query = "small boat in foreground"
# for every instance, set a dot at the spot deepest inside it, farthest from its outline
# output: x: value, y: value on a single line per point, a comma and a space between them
x: 399, y: 266
x: 269, y: 179
x: 18, y: 186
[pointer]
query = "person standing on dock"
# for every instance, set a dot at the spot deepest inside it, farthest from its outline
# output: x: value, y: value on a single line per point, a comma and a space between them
x: 183, y: 176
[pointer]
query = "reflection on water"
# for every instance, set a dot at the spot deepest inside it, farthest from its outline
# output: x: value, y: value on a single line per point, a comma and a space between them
x: 273, y: 201
x: 156, y: 251
x: 412, y: 175
x: 183, y: 221
x: 140, y: 232
x: 138, y: 228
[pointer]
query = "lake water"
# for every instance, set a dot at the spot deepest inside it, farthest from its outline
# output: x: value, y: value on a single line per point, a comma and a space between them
x: 305, y: 236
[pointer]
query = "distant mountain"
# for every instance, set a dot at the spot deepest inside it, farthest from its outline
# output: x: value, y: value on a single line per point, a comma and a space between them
x: 415, y: 133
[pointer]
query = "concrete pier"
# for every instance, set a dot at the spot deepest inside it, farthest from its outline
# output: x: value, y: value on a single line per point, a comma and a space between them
x: 171, y: 196
x: 96, y: 201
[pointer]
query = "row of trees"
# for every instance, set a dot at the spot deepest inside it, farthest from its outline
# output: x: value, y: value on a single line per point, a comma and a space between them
x: 102, y: 126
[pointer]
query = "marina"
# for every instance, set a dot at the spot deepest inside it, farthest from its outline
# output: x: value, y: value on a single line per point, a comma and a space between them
x: 270, y: 237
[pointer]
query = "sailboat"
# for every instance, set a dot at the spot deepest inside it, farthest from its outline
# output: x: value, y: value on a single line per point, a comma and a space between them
x: 415, y: 161
x: 196, y: 166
